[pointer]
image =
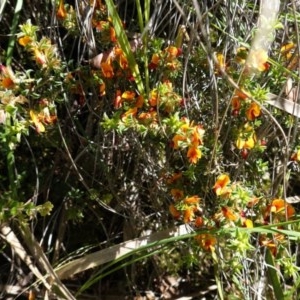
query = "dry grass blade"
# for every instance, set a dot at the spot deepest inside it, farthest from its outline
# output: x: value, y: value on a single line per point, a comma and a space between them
x: 9, y: 236
x: 112, y: 253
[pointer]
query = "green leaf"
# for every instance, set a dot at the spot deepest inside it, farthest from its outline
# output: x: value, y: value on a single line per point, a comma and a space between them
x: 273, y: 276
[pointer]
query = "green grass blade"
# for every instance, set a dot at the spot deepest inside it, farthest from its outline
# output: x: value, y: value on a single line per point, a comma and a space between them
x: 125, y: 45
x: 12, y: 38
x: 273, y: 276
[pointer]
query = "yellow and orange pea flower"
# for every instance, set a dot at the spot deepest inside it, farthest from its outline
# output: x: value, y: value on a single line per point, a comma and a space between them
x: 176, y: 214
x: 139, y: 101
x: 128, y: 95
x: 221, y: 65
x: 112, y: 34
x: 287, y: 51
x: 192, y: 200
x: 199, y: 222
x: 253, y: 111
x: 100, y: 25
x: 241, y: 94
x: 246, y: 222
x: 174, y: 178
x: 194, y: 154
x: 272, y: 244
x: 173, y: 52
x: 102, y: 88
x: 287, y: 48
x: 118, y: 99
x: 129, y: 113
x: 149, y: 117
x: 220, y: 187
x: 123, y: 62
x: 39, y: 57
x: 6, y: 77
x: 7, y: 82
x: 107, y: 70
x: 154, y: 61
x: 236, y: 103
x: 229, y: 214
x: 296, y: 156
x: 61, y: 11
x: 197, y: 135
x: 189, y: 214
x: 246, y: 138
x: 177, y: 140
x: 206, y: 241
x: 280, y: 209
x: 25, y: 40
x: 153, y: 99
x: 177, y: 194
x: 42, y: 117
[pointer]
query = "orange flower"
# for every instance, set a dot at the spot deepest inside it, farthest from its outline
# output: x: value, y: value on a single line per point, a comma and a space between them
x: 188, y: 215
x: 128, y: 95
x: 153, y: 98
x: 280, y: 208
x: 173, y: 51
x: 229, y: 214
x: 221, y: 61
x: 174, y: 211
x: 286, y: 49
x: 177, y: 139
x: 236, y: 103
x: 155, y: 59
x: 177, y: 194
x: 112, y: 34
x: 252, y: 202
x: 269, y: 243
x: 253, y: 111
x: 246, y: 138
x: 130, y: 112
x: 245, y: 143
x: 140, y: 101
x: 123, y: 62
x: 107, y: 70
x: 241, y: 94
x: 197, y: 135
x: 102, y: 89
x: 61, y: 12
x: 220, y: 185
x: 39, y: 57
x: 7, y: 83
x: 192, y: 200
x: 247, y: 223
x: 296, y: 156
x: 194, y: 154
x: 199, y: 222
x: 206, y: 241
x: 175, y: 177
x: 148, y: 117
x: 36, y: 121
x: 24, y: 41
x: 118, y: 100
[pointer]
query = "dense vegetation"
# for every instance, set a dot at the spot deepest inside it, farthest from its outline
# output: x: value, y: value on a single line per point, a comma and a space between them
x: 149, y: 149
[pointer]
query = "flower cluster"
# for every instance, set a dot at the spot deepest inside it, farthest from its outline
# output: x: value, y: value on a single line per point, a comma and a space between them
x: 189, y: 136
x: 166, y: 60
x: 43, y: 52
